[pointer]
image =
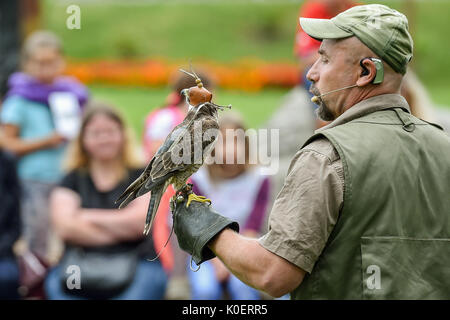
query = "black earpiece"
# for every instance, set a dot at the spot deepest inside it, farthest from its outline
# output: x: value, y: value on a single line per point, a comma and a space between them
x: 379, y: 75
x: 365, y: 70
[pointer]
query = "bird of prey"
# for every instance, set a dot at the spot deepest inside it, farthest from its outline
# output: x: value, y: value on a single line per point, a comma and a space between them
x: 162, y: 170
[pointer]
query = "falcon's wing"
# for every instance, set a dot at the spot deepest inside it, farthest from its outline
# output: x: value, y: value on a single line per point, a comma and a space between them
x: 164, y: 163
x: 161, y: 167
x: 144, y: 183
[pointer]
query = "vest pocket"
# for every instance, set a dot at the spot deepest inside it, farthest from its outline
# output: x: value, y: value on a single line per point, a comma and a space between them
x: 405, y: 268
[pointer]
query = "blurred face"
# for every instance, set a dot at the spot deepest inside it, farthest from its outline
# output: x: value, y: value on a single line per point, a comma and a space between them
x: 103, y: 138
x: 331, y: 71
x: 44, y: 64
x: 233, y: 149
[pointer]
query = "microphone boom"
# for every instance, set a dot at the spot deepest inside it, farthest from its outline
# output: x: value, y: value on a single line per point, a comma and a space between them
x: 315, y: 99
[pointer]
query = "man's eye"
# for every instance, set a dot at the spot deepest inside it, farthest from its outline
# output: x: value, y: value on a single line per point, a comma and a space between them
x: 324, y: 60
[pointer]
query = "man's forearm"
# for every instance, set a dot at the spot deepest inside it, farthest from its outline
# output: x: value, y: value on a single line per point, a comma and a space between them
x: 244, y: 257
x: 256, y: 266
x: 198, y: 226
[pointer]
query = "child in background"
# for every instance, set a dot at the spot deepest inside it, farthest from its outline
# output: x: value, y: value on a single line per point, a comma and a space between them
x: 29, y: 130
x: 239, y: 192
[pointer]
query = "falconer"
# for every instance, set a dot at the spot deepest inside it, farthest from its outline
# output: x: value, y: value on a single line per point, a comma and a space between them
x: 364, y: 212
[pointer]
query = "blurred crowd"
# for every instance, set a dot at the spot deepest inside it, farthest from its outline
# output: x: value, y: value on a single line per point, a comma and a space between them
x: 65, y: 158
x: 62, y: 172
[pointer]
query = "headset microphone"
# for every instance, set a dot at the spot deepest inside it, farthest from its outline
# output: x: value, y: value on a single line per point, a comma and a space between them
x: 315, y: 99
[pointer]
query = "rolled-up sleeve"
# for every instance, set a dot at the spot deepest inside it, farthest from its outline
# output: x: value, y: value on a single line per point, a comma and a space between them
x: 307, y: 207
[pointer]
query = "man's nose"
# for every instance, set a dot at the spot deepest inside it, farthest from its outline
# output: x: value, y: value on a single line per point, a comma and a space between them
x: 313, y: 74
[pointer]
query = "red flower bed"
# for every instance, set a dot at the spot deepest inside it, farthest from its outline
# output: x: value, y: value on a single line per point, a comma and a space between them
x: 246, y: 74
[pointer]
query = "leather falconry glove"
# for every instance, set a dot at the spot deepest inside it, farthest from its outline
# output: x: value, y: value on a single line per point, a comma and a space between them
x: 195, y: 223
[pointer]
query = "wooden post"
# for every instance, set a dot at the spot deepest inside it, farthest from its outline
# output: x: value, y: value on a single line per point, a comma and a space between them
x: 29, y: 16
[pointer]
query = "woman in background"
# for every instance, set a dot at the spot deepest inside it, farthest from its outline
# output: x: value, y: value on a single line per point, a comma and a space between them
x: 238, y: 191
x: 83, y: 211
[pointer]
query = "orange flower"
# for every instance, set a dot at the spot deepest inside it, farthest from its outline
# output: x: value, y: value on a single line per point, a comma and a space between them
x: 246, y: 74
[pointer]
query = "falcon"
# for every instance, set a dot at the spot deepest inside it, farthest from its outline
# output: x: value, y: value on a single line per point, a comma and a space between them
x: 162, y: 170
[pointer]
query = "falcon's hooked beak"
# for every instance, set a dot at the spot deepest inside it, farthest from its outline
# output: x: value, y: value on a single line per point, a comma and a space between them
x: 185, y: 93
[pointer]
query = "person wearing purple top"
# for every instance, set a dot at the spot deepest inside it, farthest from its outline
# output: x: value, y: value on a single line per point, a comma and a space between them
x: 240, y: 192
x: 28, y: 128
x: 30, y: 88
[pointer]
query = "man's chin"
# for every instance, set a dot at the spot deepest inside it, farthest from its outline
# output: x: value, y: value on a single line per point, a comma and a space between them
x: 324, y: 113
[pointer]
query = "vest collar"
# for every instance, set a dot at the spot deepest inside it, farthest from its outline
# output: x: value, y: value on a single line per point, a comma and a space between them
x: 373, y: 104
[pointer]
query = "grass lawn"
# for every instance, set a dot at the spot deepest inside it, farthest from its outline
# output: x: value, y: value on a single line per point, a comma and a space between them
x: 216, y: 30
x: 136, y: 103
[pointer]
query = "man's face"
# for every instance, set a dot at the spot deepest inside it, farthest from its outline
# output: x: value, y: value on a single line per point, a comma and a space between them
x: 331, y: 71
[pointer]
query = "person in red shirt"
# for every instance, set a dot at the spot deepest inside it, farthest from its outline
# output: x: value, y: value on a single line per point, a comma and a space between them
x: 305, y: 47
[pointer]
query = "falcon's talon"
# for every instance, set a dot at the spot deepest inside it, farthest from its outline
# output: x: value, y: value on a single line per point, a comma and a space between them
x: 194, y: 197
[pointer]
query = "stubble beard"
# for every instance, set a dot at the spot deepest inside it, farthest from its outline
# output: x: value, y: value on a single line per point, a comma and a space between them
x: 323, y: 112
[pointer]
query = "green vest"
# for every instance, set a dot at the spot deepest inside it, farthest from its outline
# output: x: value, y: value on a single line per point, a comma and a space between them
x: 392, y: 237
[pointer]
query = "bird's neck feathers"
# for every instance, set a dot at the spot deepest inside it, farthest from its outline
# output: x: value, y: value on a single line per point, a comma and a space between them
x: 207, y: 109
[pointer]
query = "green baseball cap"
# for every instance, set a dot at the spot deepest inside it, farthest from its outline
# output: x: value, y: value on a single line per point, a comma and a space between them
x: 380, y: 28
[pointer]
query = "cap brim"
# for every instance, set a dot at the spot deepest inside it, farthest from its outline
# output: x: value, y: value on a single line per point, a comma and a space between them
x: 323, y: 29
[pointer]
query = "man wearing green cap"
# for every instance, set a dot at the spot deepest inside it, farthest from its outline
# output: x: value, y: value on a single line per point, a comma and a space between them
x: 365, y: 209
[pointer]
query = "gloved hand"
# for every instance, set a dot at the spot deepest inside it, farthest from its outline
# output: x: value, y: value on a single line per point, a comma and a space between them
x: 196, y: 225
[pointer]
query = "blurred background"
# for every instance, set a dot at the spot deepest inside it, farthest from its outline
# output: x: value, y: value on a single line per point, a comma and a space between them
x: 126, y: 54
x: 126, y: 51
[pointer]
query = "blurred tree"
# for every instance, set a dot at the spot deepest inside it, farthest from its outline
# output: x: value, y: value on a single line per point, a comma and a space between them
x: 29, y: 16
x: 9, y: 41
x: 18, y: 18
x: 409, y: 8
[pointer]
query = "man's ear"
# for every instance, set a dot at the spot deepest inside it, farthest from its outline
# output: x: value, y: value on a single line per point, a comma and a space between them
x: 368, y: 72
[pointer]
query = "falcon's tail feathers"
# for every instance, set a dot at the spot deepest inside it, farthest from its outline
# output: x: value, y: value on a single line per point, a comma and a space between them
x: 129, y: 194
x: 133, y: 191
x: 155, y: 198
x: 123, y: 203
